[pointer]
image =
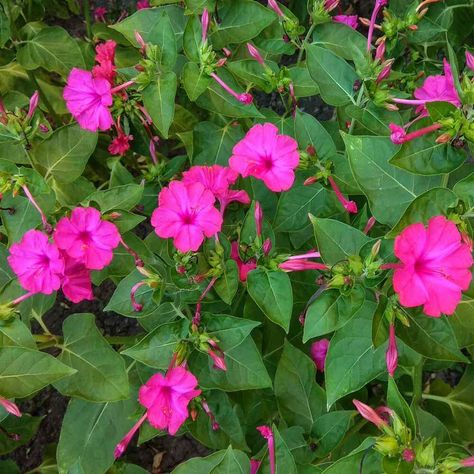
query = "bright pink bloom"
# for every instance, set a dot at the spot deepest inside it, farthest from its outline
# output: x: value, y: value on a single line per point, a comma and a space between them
x: 391, y: 356
x: 350, y: 20
x: 398, y: 134
x: 470, y: 60
x: 369, y: 414
x: 99, y: 14
x: 468, y: 462
x: 254, y: 466
x: 166, y: 398
x: 105, y: 51
x: 10, y: 407
x: 244, y: 268
x: 105, y: 57
x: 267, y: 433
x: 37, y: 263
x: 88, y: 100
x: 255, y: 53
x: 349, y: 206
x: 439, y: 88
x: 76, y: 284
x: 186, y: 212
x: 435, y: 266
x: 33, y: 104
x: 120, y: 144
x: 217, y: 179
x: 319, y: 350
x: 204, y: 24
x: 106, y: 71
x: 142, y: 4
x: 87, y: 238
x: 268, y: 156
x: 275, y: 7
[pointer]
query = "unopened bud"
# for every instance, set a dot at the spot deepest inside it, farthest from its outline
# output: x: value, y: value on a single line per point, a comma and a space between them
x: 443, y: 138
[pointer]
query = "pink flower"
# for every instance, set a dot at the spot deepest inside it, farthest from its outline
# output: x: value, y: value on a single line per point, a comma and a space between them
x: 99, y: 14
x: 244, y: 268
x: 244, y: 98
x: 254, y: 466
x: 217, y: 179
x: 391, y: 357
x: 258, y: 216
x: 319, y: 350
x: 275, y: 7
x: 301, y: 265
x: 268, y: 156
x: 204, y: 24
x: 380, y: 51
x: 255, y: 53
x: 435, y: 266
x: 166, y: 398
x: 186, y: 212
x: 468, y: 462
x: 87, y: 238
x: 88, y: 99
x: 330, y: 5
x: 408, y: 455
x: 379, y: 4
x: 439, y: 88
x: 349, y: 20
x: 349, y: 206
x: 76, y: 284
x: 267, y: 433
x: 217, y: 355
x: 142, y: 4
x: 470, y: 60
x: 34, y: 99
x: 37, y: 263
x: 10, y: 407
x: 369, y: 414
x: 398, y: 134
x: 120, y: 144
x: 105, y: 51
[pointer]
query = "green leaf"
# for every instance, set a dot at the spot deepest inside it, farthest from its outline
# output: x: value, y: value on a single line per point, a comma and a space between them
x: 165, y: 38
x: 336, y: 241
x: 426, y: 157
x: 195, y: 80
x: 89, y: 434
x: 192, y: 38
x: 123, y: 197
x: 159, y: 98
x: 300, y: 399
x: 329, y: 430
x: 303, y: 83
x: 435, y: 202
x: 374, y: 119
x: 331, y: 311
x: 462, y: 321
x: 24, y: 217
x: 5, y: 31
x: 389, y: 190
x: 16, y: 333
x: 222, y: 462
x: 431, y: 337
x: 227, y: 284
x: 65, y: 153
x: 334, y: 76
x: 240, y: 22
x: 156, y: 348
x: 101, y: 374
x: 352, y: 361
x: 24, y: 371
x: 396, y: 402
x: 465, y: 190
x: 272, y: 292
x: 53, y: 49
x: 25, y: 427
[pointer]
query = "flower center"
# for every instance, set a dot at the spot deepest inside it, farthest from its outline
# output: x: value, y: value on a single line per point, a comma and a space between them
x: 188, y: 218
x: 267, y: 162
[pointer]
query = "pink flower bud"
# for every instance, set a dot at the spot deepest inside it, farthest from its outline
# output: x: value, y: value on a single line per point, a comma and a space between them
x: 136, y: 306
x: 258, y: 215
x: 301, y: 265
x: 33, y: 104
x: 380, y: 51
x: 398, y: 134
x: 10, y: 407
x: 319, y: 350
x: 43, y: 128
x: 227, y: 52
x: 408, y: 455
x: 217, y: 355
x: 140, y: 41
x: 468, y: 462
x: 205, y: 24
x: 310, y: 180
x: 330, y: 5
x: 122, y: 446
x: 274, y: 6
x: 369, y: 414
x: 349, y: 206
x: 246, y: 98
x: 267, y: 246
x: 385, y: 73
x: 370, y: 223
x: 470, y: 60
x: 253, y: 51
x: 254, y: 466
x: 391, y: 357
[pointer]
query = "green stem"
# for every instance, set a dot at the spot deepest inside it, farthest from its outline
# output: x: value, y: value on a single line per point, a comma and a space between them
x: 47, y: 103
x: 306, y: 38
x: 417, y: 378
x: 444, y: 180
x: 87, y: 16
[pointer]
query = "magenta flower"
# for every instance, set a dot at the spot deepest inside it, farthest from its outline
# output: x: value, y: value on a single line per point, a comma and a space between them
x: 470, y: 60
x: 319, y: 350
x: 99, y: 14
x: 76, y: 283
x: 186, y: 212
x: 391, y: 356
x: 217, y: 179
x: 254, y: 466
x: 105, y: 57
x: 88, y: 99
x: 258, y: 216
x: 275, y: 7
x: 204, y: 25
x: 255, y: 53
x: 408, y: 455
x: 142, y: 4
x: 400, y: 136
x: 10, y: 407
x: 244, y: 267
x: 87, y: 238
x: 350, y: 20
x: 37, y: 263
x: 349, y: 206
x: 369, y: 414
x: 120, y: 144
x: 467, y: 462
x: 166, y: 398
x: 267, y: 433
x: 267, y: 155
x: 105, y: 51
x: 435, y: 266
x: 34, y: 99
x: 379, y: 4
x: 244, y: 98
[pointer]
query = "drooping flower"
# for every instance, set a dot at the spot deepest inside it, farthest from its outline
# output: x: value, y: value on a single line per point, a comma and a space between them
x: 267, y: 433
x: 349, y: 206
x: 400, y: 136
x: 369, y: 414
x: 34, y: 99
x: 267, y: 155
x: 105, y: 57
x: 88, y: 99
x: 244, y: 267
x: 350, y: 20
x: 99, y: 14
x: 244, y: 97
x: 76, y: 283
x: 87, y: 238
x: 391, y: 356
x: 10, y: 407
x: 218, y: 180
x: 186, y: 212
x: 120, y: 144
x: 37, y: 263
x: 379, y: 4
x: 217, y: 355
x: 435, y: 266
x: 142, y: 4
x: 166, y: 398
x: 255, y: 53
x: 319, y: 350
x: 275, y: 7
x: 254, y: 466
x: 470, y: 60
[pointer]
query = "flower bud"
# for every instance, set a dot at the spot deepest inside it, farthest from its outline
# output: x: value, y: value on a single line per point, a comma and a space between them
x: 387, y: 445
x: 253, y: 51
x: 33, y: 104
x: 470, y: 60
